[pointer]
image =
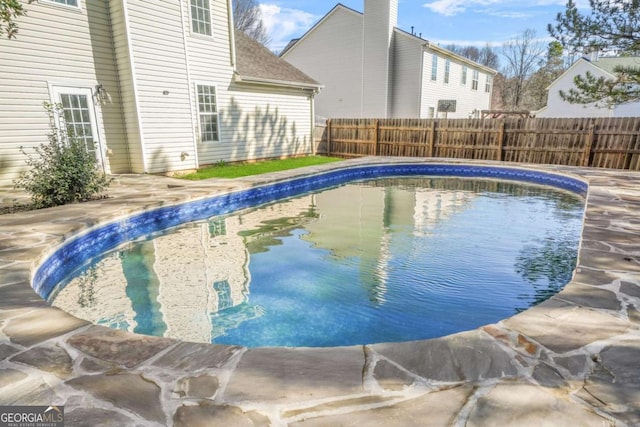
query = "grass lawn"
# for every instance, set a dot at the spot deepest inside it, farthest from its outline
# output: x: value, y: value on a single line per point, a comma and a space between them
x: 237, y: 170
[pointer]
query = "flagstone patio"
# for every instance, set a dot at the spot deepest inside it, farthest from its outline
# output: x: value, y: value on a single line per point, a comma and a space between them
x: 572, y: 360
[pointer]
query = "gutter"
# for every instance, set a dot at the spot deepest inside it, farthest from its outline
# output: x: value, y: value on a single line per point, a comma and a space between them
x: 315, y: 88
x: 434, y: 47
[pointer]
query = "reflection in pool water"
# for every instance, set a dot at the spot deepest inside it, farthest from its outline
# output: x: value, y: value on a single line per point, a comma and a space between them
x: 391, y: 259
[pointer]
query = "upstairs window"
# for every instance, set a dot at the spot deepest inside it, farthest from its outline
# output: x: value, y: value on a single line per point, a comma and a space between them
x: 208, y: 114
x: 487, y: 85
x: 73, y: 3
x: 434, y: 67
x: 447, y: 69
x: 201, y: 17
x: 463, y: 78
x: 474, y: 80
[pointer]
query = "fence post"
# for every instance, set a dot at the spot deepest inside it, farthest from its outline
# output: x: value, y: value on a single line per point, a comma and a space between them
x: 376, y: 136
x: 432, y: 138
x: 329, y: 138
x: 586, y: 155
x: 500, y: 139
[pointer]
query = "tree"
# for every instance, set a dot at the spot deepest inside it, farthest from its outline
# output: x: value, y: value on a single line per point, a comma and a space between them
x: 612, y: 26
x: 522, y: 57
x: 485, y: 56
x: 247, y: 18
x: 550, y: 69
x: 9, y: 11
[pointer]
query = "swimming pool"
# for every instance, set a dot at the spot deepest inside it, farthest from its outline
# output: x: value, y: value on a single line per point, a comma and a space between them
x: 391, y: 259
x: 116, y: 233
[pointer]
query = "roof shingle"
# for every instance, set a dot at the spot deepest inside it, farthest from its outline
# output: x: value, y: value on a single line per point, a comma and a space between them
x: 256, y: 61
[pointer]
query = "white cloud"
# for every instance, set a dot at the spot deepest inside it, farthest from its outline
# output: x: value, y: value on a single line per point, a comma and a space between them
x: 284, y: 24
x: 453, y: 7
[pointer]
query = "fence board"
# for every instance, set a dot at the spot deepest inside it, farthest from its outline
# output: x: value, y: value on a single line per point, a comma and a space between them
x: 598, y: 142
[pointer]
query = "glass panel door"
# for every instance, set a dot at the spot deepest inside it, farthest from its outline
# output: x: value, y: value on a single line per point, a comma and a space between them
x: 80, y: 118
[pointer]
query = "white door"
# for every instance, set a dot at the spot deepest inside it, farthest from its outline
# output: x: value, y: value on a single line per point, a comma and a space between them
x: 80, y: 118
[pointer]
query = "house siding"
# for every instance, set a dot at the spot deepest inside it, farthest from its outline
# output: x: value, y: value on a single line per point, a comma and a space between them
x: 332, y: 55
x: 148, y: 63
x: 379, y: 77
x: 406, y: 77
x: 468, y: 101
x: 56, y: 46
x: 380, y: 18
x: 558, y: 107
x: 254, y: 121
x: 167, y: 136
x: 259, y: 122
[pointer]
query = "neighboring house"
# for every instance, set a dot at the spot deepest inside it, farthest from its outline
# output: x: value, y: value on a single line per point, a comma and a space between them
x: 558, y: 107
x: 159, y: 86
x: 370, y: 68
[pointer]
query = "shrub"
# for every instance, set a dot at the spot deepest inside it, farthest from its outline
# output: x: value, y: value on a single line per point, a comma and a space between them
x: 62, y: 171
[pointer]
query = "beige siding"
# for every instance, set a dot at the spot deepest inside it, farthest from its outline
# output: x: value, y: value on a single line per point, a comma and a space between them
x: 255, y: 121
x: 467, y: 99
x: 406, y: 77
x: 159, y: 61
x: 380, y: 18
x: 56, y: 46
x: 332, y: 54
x: 258, y: 122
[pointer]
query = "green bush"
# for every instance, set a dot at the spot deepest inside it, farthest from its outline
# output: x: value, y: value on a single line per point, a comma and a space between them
x: 62, y: 171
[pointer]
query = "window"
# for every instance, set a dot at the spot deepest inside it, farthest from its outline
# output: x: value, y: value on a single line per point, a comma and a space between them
x: 432, y: 112
x: 67, y: 2
x: 474, y: 80
x: 77, y: 118
x: 487, y: 85
x: 201, y: 17
x: 208, y: 114
x: 434, y: 67
x: 463, y: 79
x: 447, y: 69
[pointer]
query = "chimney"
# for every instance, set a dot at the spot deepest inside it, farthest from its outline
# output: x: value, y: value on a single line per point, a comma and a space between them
x: 380, y: 18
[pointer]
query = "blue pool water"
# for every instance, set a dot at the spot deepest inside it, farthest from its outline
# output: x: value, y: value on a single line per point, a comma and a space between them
x: 389, y: 259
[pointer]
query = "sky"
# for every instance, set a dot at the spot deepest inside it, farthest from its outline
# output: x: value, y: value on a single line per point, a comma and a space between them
x: 462, y: 22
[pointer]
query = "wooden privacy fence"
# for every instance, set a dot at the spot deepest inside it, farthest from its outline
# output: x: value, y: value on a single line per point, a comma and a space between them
x: 599, y: 142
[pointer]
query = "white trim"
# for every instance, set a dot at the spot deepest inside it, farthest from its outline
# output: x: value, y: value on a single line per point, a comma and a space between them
x: 197, y: 105
x: 55, y: 90
x: 200, y: 35
x: 53, y: 3
x: 134, y: 83
x: 421, y: 83
x: 575, y: 64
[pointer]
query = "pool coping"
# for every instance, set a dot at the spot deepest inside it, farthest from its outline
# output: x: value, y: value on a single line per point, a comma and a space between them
x: 570, y: 360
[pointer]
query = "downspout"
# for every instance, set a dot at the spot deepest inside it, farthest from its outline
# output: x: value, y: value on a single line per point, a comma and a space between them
x: 313, y: 123
x: 232, y: 36
x: 119, y: 85
x: 191, y: 88
x: 134, y: 84
x: 420, y: 97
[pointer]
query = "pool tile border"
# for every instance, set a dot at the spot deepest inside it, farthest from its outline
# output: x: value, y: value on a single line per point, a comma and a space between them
x: 104, y: 238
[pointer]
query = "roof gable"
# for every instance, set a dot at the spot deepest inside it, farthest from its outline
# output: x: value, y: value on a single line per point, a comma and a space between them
x: 256, y: 63
x: 610, y: 64
x: 337, y: 8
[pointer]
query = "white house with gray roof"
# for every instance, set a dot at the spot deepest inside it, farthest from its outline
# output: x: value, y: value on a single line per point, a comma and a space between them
x: 155, y: 86
x: 605, y: 67
x: 371, y: 68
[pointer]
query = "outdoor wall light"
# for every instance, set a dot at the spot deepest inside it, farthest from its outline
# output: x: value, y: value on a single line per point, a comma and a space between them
x: 101, y: 92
